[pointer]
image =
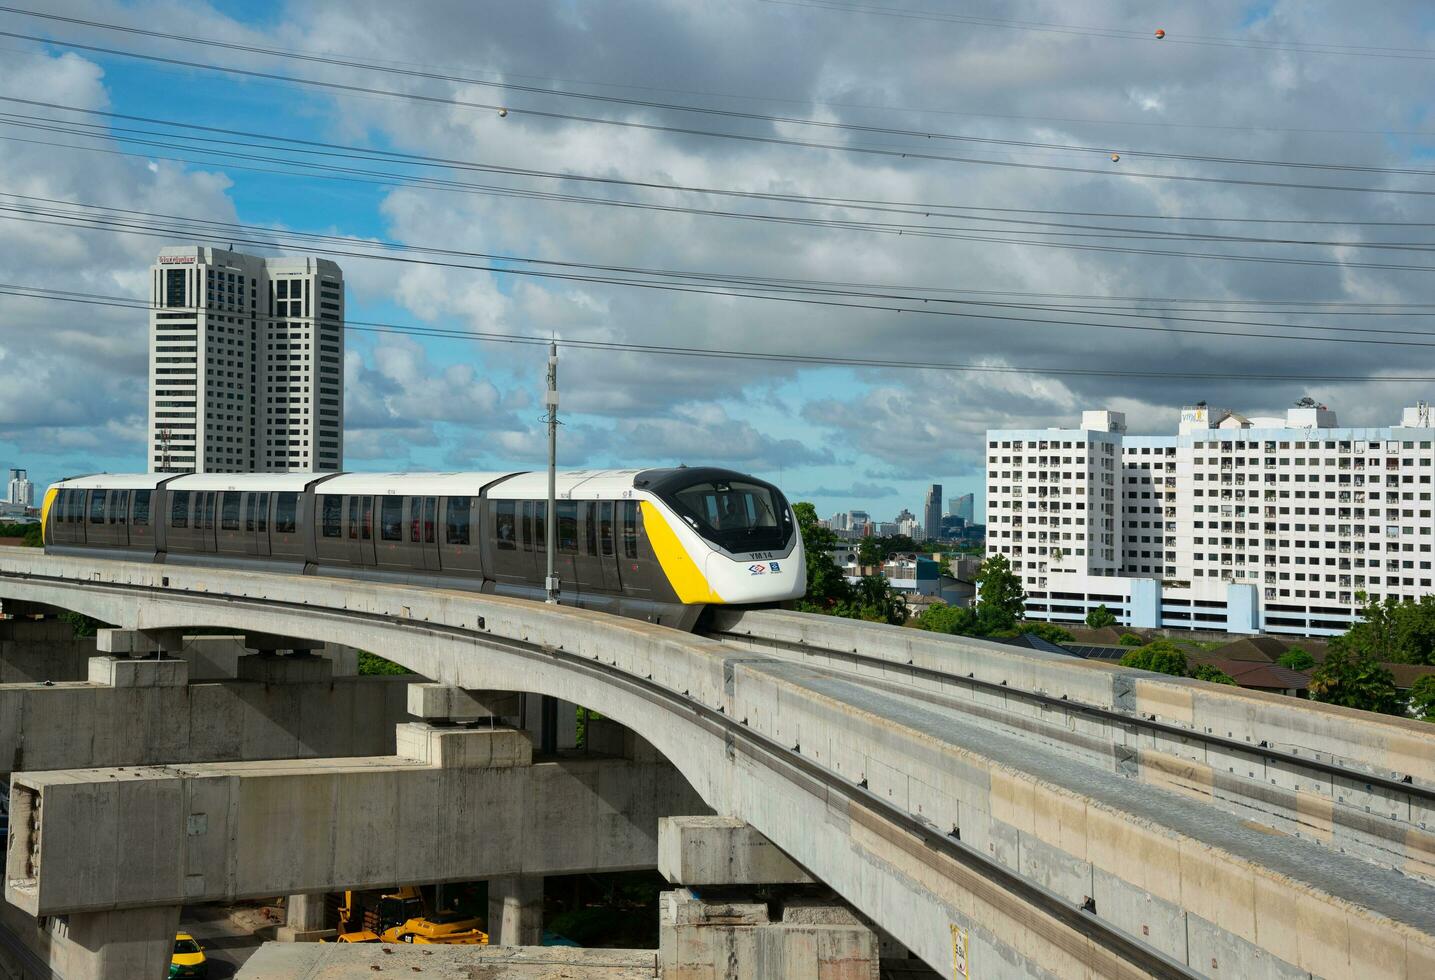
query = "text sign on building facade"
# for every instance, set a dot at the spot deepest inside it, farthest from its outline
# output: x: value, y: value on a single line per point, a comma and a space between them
x: 176, y: 260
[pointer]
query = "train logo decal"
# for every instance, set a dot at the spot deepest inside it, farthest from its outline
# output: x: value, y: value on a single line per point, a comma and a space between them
x: 757, y: 569
x: 774, y: 567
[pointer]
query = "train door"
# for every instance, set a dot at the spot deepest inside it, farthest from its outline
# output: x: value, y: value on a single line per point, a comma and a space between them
x: 256, y: 524
x: 284, y: 537
x: 565, y: 562
x: 229, y: 536
x: 178, y: 536
x: 636, y: 566
x: 607, y: 547
x: 142, y: 524
x: 459, y: 545
x: 331, y: 542
x: 511, y: 562
x: 430, y: 529
x: 120, y: 518
x: 360, y: 529
x: 208, y: 504
x: 393, y: 548
x: 588, y: 569
x: 97, y: 520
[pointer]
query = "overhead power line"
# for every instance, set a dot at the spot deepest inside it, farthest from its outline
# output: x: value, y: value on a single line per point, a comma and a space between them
x: 817, y: 360
x: 926, y: 209
x: 429, y: 75
x: 888, y: 152
x: 794, y: 291
x: 1117, y: 33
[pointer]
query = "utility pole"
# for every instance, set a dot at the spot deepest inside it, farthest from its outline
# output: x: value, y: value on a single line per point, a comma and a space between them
x: 551, y: 401
x: 548, y: 705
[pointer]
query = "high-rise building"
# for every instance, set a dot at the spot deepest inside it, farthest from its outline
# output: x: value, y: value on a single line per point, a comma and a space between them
x: 1270, y: 524
x: 932, y: 510
x: 246, y: 363
x: 21, y: 490
x: 965, y: 507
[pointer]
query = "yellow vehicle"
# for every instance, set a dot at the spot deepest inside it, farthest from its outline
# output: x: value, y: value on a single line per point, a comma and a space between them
x: 362, y: 936
x: 439, y: 928
x: 188, y: 958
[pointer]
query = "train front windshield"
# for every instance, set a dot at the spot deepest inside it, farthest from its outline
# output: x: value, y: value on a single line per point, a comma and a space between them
x: 735, y: 515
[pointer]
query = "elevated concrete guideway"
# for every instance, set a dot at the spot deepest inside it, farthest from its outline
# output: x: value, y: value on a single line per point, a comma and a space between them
x: 944, y: 832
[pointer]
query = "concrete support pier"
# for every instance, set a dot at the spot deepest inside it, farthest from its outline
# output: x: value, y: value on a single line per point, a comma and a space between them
x: 515, y: 910
x: 306, y: 919
x: 133, y: 944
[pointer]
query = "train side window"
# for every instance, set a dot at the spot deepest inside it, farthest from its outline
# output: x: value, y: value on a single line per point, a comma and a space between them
x: 391, y: 519
x: 179, y: 508
x: 630, y: 529
x: 142, y: 498
x: 208, y: 511
x: 120, y: 507
x: 333, y: 515
x: 430, y: 520
x: 354, y: 518
x: 286, y: 507
x: 366, y: 525
x: 590, y: 528
x: 97, y: 506
x: 568, y: 526
x: 416, y: 507
x: 229, y: 510
x: 605, y: 529
x: 538, y: 525
x: 251, y: 504
x: 505, y: 529
x: 259, y: 512
x: 458, y: 514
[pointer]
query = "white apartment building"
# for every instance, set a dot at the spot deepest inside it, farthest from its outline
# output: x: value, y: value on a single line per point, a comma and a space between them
x: 1234, y: 523
x: 246, y: 363
x: 21, y: 490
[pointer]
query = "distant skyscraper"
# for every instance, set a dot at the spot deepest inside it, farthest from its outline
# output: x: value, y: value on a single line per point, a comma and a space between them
x: 246, y: 363
x: 22, y: 491
x: 965, y: 507
x: 932, y: 511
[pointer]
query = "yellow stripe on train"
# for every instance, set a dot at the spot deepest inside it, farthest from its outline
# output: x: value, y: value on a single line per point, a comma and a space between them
x: 686, y: 578
x: 50, y: 496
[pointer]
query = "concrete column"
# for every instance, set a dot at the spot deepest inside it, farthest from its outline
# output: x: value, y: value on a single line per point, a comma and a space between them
x: 306, y: 919
x: 722, y: 851
x: 703, y: 939
x: 105, y: 945
x: 124, y: 672
x: 515, y: 910
x: 440, y: 703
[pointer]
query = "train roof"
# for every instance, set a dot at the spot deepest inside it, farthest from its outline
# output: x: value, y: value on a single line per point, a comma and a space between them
x: 579, y: 484
x: 113, y: 481
x: 272, y: 482
x: 437, y: 484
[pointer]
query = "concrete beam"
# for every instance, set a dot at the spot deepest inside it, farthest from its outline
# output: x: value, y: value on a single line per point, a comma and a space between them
x: 722, y: 851
x: 515, y: 910
x: 112, y: 722
x: 272, y: 642
x: 442, y: 702
x: 124, y: 672
x: 139, y: 643
x: 90, y: 840
x: 294, y: 668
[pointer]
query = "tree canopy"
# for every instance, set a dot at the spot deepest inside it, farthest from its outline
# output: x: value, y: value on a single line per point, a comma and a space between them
x: 1353, y: 677
x: 1161, y: 656
x: 1001, y: 600
x: 1422, y: 698
x: 1395, y: 632
x: 1296, y: 659
x: 1099, y: 617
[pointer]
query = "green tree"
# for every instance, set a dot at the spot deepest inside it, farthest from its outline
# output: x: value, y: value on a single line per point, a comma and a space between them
x: 874, y: 600
x: 1209, y: 672
x: 869, y: 552
x: 1352, y: 677
x: 1130, y: 640
x: 1395, y: 632
x: 1001, y: 600
x: 1422, y: 698
x: 1161, y: 656
x: 826, y: 585
x: 1100, y: 617
x: 1296, y: 659
x: 942, y: 618
x: 372, y: 664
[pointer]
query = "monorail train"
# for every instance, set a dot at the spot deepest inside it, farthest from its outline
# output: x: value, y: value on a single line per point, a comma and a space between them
x: 659, y: 545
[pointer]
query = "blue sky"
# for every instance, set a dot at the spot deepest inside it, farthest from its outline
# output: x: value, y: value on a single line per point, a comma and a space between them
x: 864, y: 437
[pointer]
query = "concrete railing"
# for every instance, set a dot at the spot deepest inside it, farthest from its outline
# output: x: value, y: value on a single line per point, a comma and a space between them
x: 941, y: 830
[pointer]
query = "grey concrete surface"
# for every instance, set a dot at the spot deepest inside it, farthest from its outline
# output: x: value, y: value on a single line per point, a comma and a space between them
x: 457, y: 805
x: 1270, y: 901
x: 347, y: 961
x: 721, y: 851
x: 76, y: 725
x: 515, y: 910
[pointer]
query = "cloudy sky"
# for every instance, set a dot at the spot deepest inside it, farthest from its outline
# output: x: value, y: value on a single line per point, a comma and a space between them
x: 1234, y: 89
